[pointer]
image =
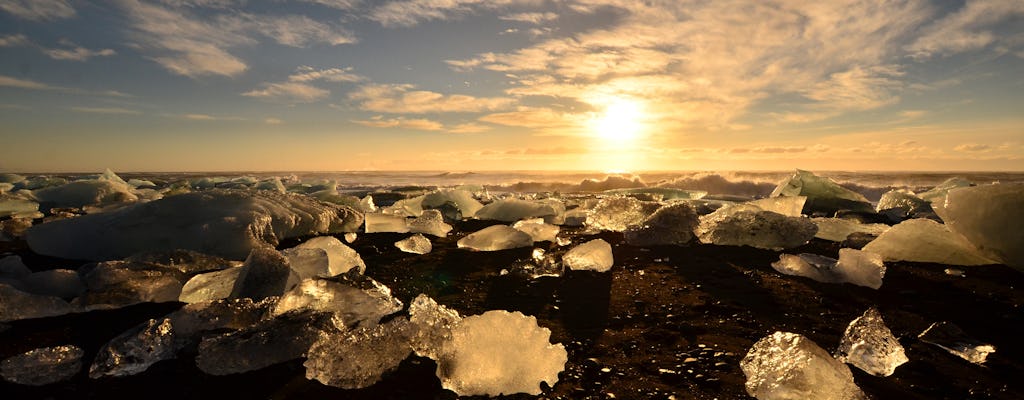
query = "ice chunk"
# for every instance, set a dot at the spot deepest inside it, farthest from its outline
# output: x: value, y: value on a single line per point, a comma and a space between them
x: 105, y: 190
x: 595, y: 255
x: 273, y: 184
x: 279, y: 339
x: 499, y: 352
x: 456, y: 204
x: 989, y: 217
x: 789, y: 366
x: 358, y: 358
x: 430, y: 222
x: 903, y: 200
x: 854, y: 266
x: 838, y: 229
x: 187, y: 261
x: 356, y: 299
x: 15, y: 206
x: 493, y: 238
x: 670, y: 225
x: 140, y: 183
x: 386, y: 223
x: 537, y: 229
x: 433, y: 326
x: 14, y: 227
x: 924, y: 240
x: 210, y: 286
x: 350, y: 237
x: 746, y: 225
x: 61, y: 283
x: 17, y: 305
x: 308, y: 263
x: 138, y: 348
x: 790, y: 206
x: 112, y: 284
x: 341, y: 258
x: 617, y: 214
x: 951, y: 338
x: 265, y: 273
x: 869, y: 345
x: 13, y: 267
x: 415, y: 244
x: 226, y: 223
x: 823, y: 194
x: 43, y: 366
x: 937, y: 195
x: 511, y: 210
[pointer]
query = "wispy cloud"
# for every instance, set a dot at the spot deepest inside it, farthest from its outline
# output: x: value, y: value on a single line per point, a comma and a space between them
x: 7, y: 81
x: 973, y: 147
x: 39, y: 10
x: 299, y: 87
x: 412, y: 12
x: 273, y: 121
x: 969, y: 28
x: 106, y: 110
x: 14, y: 40
x: 404, y: 99
x: 415, y: 123
x: 310, y: 74
x: 207, y: 117
x: 535, y: 18
x: 74, y: 52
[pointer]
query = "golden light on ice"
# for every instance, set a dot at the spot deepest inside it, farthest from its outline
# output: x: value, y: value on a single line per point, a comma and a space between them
x: 621, y: 121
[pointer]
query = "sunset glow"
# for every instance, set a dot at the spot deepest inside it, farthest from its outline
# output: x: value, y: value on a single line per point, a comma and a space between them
x: 620, y: 122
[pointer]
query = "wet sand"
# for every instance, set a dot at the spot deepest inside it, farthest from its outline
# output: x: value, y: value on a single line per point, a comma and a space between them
x: 664, y: 321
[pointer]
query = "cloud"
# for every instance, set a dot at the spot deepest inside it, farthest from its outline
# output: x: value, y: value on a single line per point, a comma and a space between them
x: 403, y: 99
x: 469, y: 128
x: 198, y: 44
x: 417, y: 123
x: 14, y: 41
x: 7, y: 81
x: 407, y: 13
x: 206, y: 117
x: 309, y: 74
x: 336, y: 4
x: 105, y: 110
x: 967, y: 29
x: 38, y: 10
x: 535, y: 18
x: 973, y: 147
x: 289, y: 92
x: 76, y: 53
x: 273, y: 121
x: 857, y: 88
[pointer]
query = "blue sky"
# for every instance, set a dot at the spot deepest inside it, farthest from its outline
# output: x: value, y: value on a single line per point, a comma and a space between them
x: 191, y: 85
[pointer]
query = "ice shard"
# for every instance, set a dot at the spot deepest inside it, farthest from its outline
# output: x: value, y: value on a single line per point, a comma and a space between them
x: 904, y: 201
x: 358, y: 358
x: 431, y: 222
x: 113, y: 284
x: 924, y: 240
x: 340, y: 257
x: 210, y: 286
x: 511, y: 210
x: 937, y: 195
x: 226, y: 223
x: 951, y: 338
x: 823, y: 194
x: 433, y: 325
x: 838, y: 229
x: 376, y: 223
x: 745, y: 225
x: 617, y: 214
x: 17, y: 305
x: 43, y: 366
x: 789, y: 366
x: 671, y: 225
x: 989, y: 216
x: 494, y: 238
x: 415, y: 244
x: 538, y: 230
x: 790, y: 206
x: 308, y: 262
x: 499, y: 352
x: 595, y: 255
x: 854, y: 266
x: 869, y: 345
x: 355, y: 299
x: 265, y: 273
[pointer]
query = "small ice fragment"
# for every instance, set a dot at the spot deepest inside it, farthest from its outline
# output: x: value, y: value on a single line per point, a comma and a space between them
x: 951, y: 338
x: 357, y: 359
x: 209, y: 286
x: 563, y: 241
x: 869, y: 345
x: 341, y: 258
x: 854, y: 266
x: 17, y: 305
x: 617, y: 214
x: 595, y: 255
x: 838, y: 229
x: 746, y: 225
x: 350, y: 237
x: 785, y: 366
x: 376, y: 223
x: 496, y: 237
x: 356, y: 299
x: 433, y: 326
x: 511, y: 210
x: 265, y: 273
x: 537, y: 229
x: 954, y: 272
x: 823, y: 194
x: 670, y: 225
x: 431, y: 222
x: 415, y: 244
x: 924, y: 240
x: 43, y: 366
x: 499, y: 352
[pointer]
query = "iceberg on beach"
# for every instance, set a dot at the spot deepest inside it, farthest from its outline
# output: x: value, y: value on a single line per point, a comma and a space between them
x: 496, y: 237
x: 511, y: 210
x: 823, y: 194
x: 619, y: 213
x: 747, y: 225
x: 924, y: 240
x: 672, y: 224
x: 226, y: 223
x: 990, y: 217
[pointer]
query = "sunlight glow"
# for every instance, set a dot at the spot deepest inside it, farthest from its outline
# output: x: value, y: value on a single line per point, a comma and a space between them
x: 621, y: 122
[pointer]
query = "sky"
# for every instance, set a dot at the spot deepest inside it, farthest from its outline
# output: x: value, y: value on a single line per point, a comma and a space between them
x: 467, y: 85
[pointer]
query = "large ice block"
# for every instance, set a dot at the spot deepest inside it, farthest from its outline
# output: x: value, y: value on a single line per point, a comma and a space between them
x: 790, y: 206
x: 43, y: 366
x: 12, y: 206
x: 838, y: 229
x: 904, y: 201
x: 63, y: 283
x: 496, y: 237
x: 457, y: 204
x: 226, y: 223
x: 355, y: 299
x: 16, y: 305
x: 990, y: 217
x: 924, y: 240
x: 595, y: 255
x: 672, y: 224
x: 869, y: 345
x: 499, y: 352
x: 617, y: 214
x: 358, y: 358
x: 538, y: 230
x: 789, y: 366
x: 210, y: 286
x: 105, y: 190
x: 112, y: 284
x: 340, y: 257
x: 376, y: 223
x: 433, y: 325
x: 511, y: 210
x: 745, y: 225
x: 823, y: 194
x: 265, y: 273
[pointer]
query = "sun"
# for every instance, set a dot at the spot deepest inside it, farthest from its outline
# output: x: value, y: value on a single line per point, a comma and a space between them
x: 621, y: 121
